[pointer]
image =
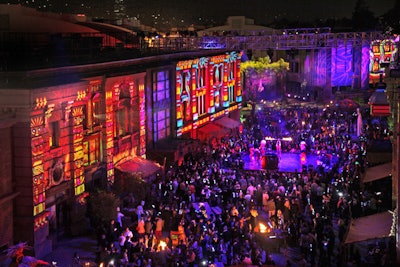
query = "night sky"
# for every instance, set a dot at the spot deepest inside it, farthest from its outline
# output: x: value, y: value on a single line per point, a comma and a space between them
x: 262, y: 11
x: 266, y: 9
x: 203, y: 12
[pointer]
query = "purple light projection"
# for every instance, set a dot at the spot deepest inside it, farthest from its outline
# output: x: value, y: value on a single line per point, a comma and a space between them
x: 321, y: 68
x: 342, y: 72
x: 365, y: 59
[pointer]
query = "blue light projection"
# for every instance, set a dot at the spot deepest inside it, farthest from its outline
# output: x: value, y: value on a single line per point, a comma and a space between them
x: 342, y: 58
x: 213, y: 43
x: 321, y: 68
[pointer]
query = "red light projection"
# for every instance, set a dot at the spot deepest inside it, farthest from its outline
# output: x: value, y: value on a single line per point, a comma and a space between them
x: 206, y: 87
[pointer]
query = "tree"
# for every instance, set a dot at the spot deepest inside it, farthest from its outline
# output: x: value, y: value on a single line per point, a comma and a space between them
x: 363, y: 18
x: 260, y: 72
x: 102, y: 207
x: 391, y: 21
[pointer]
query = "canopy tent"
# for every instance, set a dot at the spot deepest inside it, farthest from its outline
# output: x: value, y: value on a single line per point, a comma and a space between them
x: 227, y: 122
x: 211, y: 130
x: 141, y: 166
x: 380, y: 225
x: 377, y: 172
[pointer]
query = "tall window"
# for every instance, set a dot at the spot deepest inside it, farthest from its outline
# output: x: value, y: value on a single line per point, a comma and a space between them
x: 161, y: 124
x: 123, y: 120
x: 160, y: 85
x: 96, y: 111
x: 201, y: 103
x: 91, y: 151
x: 161, y: 117
x: 96, y: 108
x: 231, y: 94
x: 201, y: 77
x: 54, y: 134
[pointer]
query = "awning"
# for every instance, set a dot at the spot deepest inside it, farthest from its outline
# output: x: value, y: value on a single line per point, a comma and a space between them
x: 140, y: 166
x: 227, y: 122
x: 375, y: 226
x: 212, y: 130
x: 377, y: 172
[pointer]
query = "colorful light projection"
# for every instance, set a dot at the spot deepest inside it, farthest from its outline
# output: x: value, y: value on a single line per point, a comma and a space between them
x: 183, y: 93
x: 321, y: 67
x: 38, y: 145
x: 204, y: 87
x: 110, y: 95
x: 342, y: 58
x: 233, y: 77
x: 142, y: 120
x: 219, y: 74
x: 77, y: 113
x: 381, y: 52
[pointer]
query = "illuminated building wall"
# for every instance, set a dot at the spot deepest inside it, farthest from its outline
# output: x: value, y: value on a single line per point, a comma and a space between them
x: 339, y: 66
x: 206, y: 88
x: 74, y: 126
x: 57, y: 126
x: 124, y: 120
x: 158, y: 106
x: 381, y: 51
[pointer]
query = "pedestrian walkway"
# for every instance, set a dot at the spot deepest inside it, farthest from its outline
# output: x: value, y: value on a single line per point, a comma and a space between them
x: 74, y: 252
x: 81, y: 251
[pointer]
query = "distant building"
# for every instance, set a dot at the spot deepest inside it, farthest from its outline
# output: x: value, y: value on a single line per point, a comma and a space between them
x: 237, y: 26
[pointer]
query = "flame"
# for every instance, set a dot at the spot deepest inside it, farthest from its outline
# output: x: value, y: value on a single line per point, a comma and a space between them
x: 162, y: 245
x: 263, y: 228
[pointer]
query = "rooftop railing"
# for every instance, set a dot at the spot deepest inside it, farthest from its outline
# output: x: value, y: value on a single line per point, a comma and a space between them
x: 33, y: 50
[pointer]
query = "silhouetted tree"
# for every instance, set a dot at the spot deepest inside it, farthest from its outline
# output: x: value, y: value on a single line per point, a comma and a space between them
x: 391, y: 21
x: 363, y: 18
x: 102, y: 207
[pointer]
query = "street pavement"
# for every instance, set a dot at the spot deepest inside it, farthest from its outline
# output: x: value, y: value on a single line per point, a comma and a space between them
x: 65, y: 250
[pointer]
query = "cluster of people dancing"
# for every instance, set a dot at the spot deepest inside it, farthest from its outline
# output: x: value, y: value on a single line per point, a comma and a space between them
x: 209, y: 210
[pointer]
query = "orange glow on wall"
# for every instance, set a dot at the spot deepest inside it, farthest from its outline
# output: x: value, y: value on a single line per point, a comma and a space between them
x: 41, y: 102
x: 81, y: 95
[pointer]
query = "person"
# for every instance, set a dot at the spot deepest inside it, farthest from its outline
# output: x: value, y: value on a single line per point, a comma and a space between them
x: 140, y: 229
x: 76, y: 260
x: 148, y: 226
x: 303, y: 147
x: 121, y: 241
x: 112, y: 232
x: 279, y: 148
x: 159, y: 227
x: 127, y: 233
x: 140, y: 210
x: 120, y: 215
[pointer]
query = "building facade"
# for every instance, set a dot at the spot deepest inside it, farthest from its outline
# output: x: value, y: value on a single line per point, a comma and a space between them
x: 64, y: 124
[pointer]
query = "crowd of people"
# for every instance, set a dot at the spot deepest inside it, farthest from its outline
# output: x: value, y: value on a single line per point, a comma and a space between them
x: 208, y: 209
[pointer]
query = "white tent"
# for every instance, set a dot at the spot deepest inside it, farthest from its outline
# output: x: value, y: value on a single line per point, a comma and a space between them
x: 377, y: 172
x: 380, y: 225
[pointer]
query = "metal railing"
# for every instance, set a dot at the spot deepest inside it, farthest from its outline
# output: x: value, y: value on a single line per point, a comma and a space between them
x: 20, y: 50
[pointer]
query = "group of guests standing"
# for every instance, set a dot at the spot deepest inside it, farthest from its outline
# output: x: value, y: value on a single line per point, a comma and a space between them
x: 208, y: 209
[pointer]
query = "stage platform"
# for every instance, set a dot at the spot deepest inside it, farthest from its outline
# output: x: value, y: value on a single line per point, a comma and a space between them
x: 289, y: 162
